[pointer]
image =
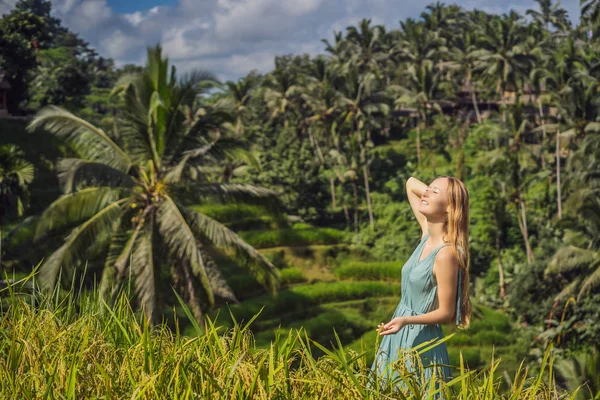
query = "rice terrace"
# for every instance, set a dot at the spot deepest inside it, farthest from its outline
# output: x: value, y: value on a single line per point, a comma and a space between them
x: 276, y: 199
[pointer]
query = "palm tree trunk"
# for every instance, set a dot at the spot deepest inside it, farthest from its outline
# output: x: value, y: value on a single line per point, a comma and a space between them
x: 523, y: 225
x: 363, y: 160
x: 315, y: 146
x: 558, y: 194
x: 355, y: 207
x: 500, y: 268
x: 543, y: 141
x: 347, y: 214
x: 475, y: 105
x: 332, y: 188
x: 366, y: 177
x: 543, y: 159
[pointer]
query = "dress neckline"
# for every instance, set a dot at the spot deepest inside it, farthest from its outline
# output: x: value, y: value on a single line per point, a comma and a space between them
x: 431, y: 252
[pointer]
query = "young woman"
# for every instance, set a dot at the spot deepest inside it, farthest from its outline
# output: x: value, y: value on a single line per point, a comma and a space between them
x: 435, y: 279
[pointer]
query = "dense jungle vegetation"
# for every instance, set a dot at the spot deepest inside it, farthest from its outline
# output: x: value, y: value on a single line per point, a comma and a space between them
x: 140, y: 205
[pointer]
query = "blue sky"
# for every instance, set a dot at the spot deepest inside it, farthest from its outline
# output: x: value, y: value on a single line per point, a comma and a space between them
x: 233, y: 37
x: 128, y: 6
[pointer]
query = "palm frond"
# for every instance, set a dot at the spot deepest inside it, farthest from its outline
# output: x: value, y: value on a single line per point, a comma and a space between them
x: 78, y: 241
x: 74, y: 171
x: 219, y: 235
x: 118, y: 242
x: 218, y: 283
x: 124, y: 82
x: 570, y: 258
x: 134, y: 128
x: 74, y: 207
x: 569, y: 289
x: 143, y: 269
x: 592, y: 280
x: 22, y: 170
x: 181, y: 242
x: 174, y: 174
x: 91, y: 142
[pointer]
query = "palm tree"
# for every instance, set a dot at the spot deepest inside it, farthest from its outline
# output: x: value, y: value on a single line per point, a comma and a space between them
x: 364, y: 105
x: 579, y: 259
x: 510, y: 160
x: 15, y: 175
x: 281, y: 89
x: 421, y: 50
x: 135, y: 195
x: 590, y: 11
x: 580, y: 371
x: 557, y: 75
x: 240, y: 93
x: 368, y: 54
x: 463, y: 60
x: 319, y: 98
x: 504, y: 56
x: 419, y: 88
x: 550, y: 14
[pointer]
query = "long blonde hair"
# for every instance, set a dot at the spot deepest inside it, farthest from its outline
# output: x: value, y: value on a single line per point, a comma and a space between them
x: 457, y: 232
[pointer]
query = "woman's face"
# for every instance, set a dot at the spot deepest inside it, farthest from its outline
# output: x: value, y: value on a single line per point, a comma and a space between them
x: 434, y: 201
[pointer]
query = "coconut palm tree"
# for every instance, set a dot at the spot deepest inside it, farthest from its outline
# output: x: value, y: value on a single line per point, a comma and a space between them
x: 134, y: 195
x: 579, y: 259
x: 504, y: 56
x: 420, y: 88
x: 550, y: 14
x: 364, y: 106
x: 281, y: 89
x: 368, y: 54
x: 319, y: 98
x: 462, y: 62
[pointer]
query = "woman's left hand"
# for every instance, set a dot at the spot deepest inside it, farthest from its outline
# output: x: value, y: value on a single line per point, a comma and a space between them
x: 392, y: 327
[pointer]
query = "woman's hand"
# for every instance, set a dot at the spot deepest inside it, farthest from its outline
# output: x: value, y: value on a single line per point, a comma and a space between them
x: 391, y: 327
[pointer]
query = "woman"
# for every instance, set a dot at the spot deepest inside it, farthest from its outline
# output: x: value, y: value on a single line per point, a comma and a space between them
x: 435, y: 279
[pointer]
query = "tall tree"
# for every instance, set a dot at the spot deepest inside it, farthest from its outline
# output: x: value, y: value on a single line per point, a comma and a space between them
x: 134, y: 194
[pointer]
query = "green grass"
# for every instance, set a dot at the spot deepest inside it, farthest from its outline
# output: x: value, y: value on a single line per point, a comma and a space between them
x: 75, y: 346
x: 370, y: 270
x: 300, y: 298
x: 292, y: 237
x: 240, y: 216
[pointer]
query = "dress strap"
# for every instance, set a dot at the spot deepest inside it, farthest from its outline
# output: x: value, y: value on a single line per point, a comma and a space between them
x: 459, y: 296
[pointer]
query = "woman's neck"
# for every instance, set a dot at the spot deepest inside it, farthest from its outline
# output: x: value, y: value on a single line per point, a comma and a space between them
x: 436, y: 232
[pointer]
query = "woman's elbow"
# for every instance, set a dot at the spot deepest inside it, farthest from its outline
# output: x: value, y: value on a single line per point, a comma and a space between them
x: 448, y: 317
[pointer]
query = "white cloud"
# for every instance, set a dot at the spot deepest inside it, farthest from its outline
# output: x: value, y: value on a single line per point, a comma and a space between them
x: 260, y: 19
x: 118, y: 44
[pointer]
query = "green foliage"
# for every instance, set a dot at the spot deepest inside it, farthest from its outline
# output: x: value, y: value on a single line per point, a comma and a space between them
x: 370, y: 270
x: 300, y: 298
x: 293, y: 237
x: 240, y: 216
x: 18, y: 31
x: 292, y: 275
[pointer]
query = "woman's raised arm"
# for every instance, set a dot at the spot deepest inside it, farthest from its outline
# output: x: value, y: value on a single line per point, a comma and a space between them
x: 414, y: 190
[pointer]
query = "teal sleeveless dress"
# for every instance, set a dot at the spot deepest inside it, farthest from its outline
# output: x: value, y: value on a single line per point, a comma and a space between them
x: 419, y: 296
